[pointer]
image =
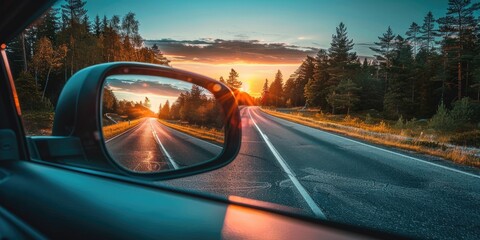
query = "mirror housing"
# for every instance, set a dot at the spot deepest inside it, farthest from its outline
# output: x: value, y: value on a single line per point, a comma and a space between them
x: 78, y: 115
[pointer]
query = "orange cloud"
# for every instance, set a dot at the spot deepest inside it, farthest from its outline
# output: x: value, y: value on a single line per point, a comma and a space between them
x: 221, y: 51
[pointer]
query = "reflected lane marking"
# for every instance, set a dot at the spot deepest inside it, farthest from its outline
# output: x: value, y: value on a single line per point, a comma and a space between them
x: 169, y: 158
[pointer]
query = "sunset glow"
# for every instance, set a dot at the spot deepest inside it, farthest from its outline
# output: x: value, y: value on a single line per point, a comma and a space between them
x: 252, y: 75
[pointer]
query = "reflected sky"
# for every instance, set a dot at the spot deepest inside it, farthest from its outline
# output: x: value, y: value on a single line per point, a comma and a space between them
x: 157, y: 89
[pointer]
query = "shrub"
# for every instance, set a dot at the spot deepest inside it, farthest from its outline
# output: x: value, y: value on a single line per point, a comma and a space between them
x: 411, y: 123
x: 399, y: 124
x: 381, y: 127
x: 471, y: 138
x: 428, y: 144
x: 461, y: 112
x: 29, y: 94
x: 368, y: 119
x: 442, y: 119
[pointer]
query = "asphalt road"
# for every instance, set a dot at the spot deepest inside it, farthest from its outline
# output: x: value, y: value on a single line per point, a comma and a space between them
x: 151, y: 146
x: 347, y: 181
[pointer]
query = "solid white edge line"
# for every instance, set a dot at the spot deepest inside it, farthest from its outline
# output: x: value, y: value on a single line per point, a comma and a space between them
x: 169, y: 158
x: 303, y: 192
x: 388, y: 151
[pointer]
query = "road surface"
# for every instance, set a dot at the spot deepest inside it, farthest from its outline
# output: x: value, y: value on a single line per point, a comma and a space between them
x: 151, y: 146
x: 347, y: 181
x: 323, y: 174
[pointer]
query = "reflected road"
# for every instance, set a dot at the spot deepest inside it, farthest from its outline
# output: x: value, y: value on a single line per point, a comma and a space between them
x: 151, y: 146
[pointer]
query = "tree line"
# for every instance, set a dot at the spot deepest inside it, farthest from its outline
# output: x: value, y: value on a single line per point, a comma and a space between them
x: 435, y: 63
x: 194, y: 107
x: 64, y: 40
x: 128, y: 110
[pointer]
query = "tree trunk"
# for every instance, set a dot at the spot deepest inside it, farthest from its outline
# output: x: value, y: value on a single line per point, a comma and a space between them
x: 413, y: 92
x: 36, y: 77
x: 478, y: 94
x: 467, y: 74
x: 459, y: 90
x: 25, y: 67
x: 46, y: 83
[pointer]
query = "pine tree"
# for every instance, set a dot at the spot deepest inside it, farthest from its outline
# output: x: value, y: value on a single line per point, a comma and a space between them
x: 275, y: 90
x: 316, y: 88
x: 29, y: 94
x: 384, y: 54
x: 97, y: 26
x: 398, y: 98
x: 300, y: 79
x: 265, y: 97
x: 371, y: 96
x: 160, y: 111
x: 340, y: 55
x: 428, y: 32
x: 221, y: 79
x: 413, y: 35
x: 48, y: 25
x: 459, y: 26
x: 159, y: 58
x: 73, y: 12
x: 344, y: 96
x: 147, y: 103
x: 165, y: 110
x: 233, y: 81
x: 86, y: 24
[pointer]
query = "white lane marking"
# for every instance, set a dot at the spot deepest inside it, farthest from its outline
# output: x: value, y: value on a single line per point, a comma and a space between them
x: 311, y: 203
x: 129, y: 130
x: 392, y: 152
x: 169, y: 158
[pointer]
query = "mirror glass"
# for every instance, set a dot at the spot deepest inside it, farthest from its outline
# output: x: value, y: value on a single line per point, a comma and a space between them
x: 153, y: 124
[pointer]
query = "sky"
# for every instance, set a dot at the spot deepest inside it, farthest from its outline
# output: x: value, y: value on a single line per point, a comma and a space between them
x: 259, y: 37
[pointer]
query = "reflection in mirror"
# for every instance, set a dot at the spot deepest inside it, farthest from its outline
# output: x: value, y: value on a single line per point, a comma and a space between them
x: 153, y: 124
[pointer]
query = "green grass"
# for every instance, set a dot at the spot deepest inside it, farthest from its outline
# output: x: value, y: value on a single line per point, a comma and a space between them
x: 38, y: 123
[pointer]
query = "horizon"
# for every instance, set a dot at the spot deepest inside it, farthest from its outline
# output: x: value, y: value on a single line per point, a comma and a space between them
x: 263, y: 39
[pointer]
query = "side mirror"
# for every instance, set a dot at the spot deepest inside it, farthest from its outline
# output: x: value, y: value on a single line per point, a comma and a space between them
x: 147, y: 120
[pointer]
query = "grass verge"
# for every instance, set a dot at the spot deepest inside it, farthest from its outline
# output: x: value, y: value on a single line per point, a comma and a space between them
x: 208, y: 134
x: 118, y: 128
x: 38, y: 123
x: 382, y: 134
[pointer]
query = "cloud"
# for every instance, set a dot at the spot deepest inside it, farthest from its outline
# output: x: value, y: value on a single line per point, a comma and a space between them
x: 145, y: 87
x: 368, y: 44
x: 220, y: 51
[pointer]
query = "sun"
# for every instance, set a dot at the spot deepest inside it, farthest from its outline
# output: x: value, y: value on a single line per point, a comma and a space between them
x: 245, y: 87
